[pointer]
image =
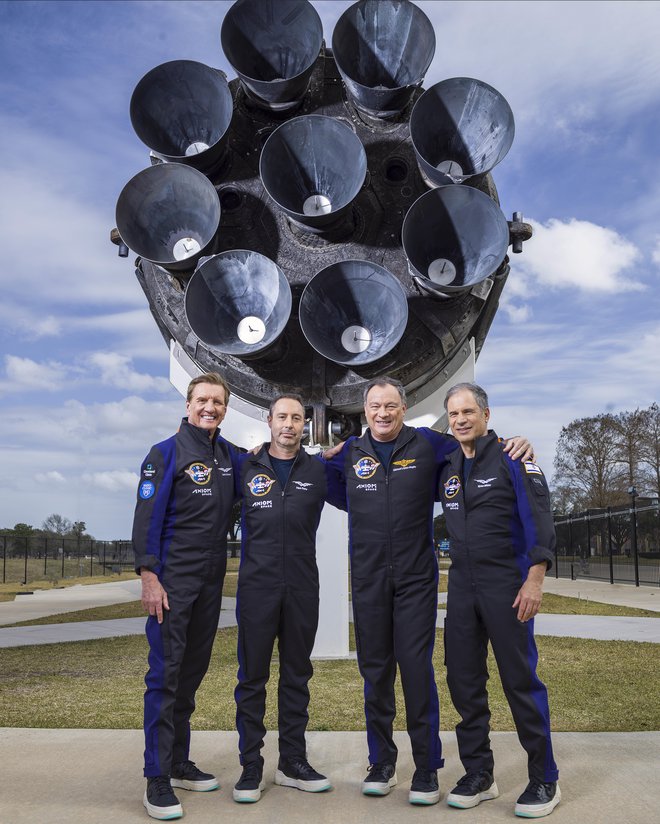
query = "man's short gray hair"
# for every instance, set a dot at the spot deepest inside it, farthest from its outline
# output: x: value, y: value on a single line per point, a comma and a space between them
x: 386, y: 382
x: 480, y: 395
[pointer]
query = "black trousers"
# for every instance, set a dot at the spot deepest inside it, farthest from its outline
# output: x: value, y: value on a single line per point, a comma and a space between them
x: 291, y: 616
x: 179, y: 655
x: 473, y: 618
x: 395, y: 625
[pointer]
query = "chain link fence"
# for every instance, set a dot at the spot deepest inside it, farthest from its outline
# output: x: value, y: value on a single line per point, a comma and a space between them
x: 617, y: 544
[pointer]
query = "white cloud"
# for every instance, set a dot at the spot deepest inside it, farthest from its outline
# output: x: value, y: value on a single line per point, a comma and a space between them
x: 114, y: 481
x: 53, y: 477
x: 515, y: 313
x: 25, y: 373
x: 577, y: 254
x: 117, y: 370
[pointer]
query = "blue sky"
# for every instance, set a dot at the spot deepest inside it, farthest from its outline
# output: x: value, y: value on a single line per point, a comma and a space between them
x: 84, y: 385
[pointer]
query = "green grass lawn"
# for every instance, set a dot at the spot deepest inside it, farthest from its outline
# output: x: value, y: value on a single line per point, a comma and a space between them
x: 593, y: 686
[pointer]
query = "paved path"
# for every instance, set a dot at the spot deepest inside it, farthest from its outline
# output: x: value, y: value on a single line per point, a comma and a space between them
x: 58, y: 601
x: 628, y: 595
x: 94, y: 777
x: 603, y: 628
x: 44, y: 602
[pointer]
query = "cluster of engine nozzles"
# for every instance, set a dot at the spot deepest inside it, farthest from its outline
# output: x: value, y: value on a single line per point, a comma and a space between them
x: 313, y: 167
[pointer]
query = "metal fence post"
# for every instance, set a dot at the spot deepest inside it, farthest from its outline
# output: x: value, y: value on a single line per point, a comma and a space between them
x: 63, y: 554
x: 609, y: 542
x: 4, y: 559
x: 104, y: 549
x: 634, y: 537
x: 45, y: 558
x: 25, y: 576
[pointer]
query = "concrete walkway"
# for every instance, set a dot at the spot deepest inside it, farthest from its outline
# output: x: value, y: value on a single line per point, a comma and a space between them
x: 44, y: 602
x: 627, y: 595
x: 51, y: 602
x: 602, y: 628
x: 94, y: 777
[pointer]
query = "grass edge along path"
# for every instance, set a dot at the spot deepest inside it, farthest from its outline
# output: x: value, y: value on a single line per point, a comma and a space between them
x: 552, y: 605
x: 594, y: 686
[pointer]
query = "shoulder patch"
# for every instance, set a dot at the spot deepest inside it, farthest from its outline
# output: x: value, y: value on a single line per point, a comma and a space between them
x: 532, y: 468
x: 146, y: 490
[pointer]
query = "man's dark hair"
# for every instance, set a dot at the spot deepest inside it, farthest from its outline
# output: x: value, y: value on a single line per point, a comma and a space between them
x: 386, y: 382
x: 294, y: 396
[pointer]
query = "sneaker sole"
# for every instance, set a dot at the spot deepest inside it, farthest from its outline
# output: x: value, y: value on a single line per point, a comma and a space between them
x: 306, y: 786
x: 195, y: 786
x: 423, y: 799
x: 372, y: 788
x: 248, y: 796
x: 466, y: 802
x: 538, y: 810
x: 162, y: 813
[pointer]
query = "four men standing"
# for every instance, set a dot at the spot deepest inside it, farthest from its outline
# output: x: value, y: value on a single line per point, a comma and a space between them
x: 388, y: 479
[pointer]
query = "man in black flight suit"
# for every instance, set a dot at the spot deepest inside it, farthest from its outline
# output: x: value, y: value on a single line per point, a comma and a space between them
x: 283, y: 490
x: 184, y: 502
x: 391, y: 475
x: 502, y: 539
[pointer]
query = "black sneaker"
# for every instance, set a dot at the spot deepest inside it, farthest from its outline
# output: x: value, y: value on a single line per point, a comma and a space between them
x: 424, y: 787
x: 538, y: 800
x: 159, y: 799
x: 250, y: 785
x: 296, y: 772
x: 380, y: 779
x: 189, y: 777
x: 472, y: 789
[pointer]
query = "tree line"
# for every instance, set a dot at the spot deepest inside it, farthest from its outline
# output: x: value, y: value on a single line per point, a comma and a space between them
x: 599, y: 460
x: 53, y: 525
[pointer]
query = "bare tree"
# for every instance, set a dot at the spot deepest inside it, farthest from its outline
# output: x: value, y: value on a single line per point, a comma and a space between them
x: 650, y: 447
x: 588, y: 462
x: 629, y: 427
x: 57, y: 524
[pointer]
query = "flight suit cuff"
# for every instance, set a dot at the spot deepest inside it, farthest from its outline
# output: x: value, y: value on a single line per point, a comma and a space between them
x: 539, y: 554
x: 150, y: 562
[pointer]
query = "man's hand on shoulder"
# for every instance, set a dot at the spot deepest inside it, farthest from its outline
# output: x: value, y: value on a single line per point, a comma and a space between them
x: 328, y: 454
x: 519, y: 447
x: 154, y: 597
